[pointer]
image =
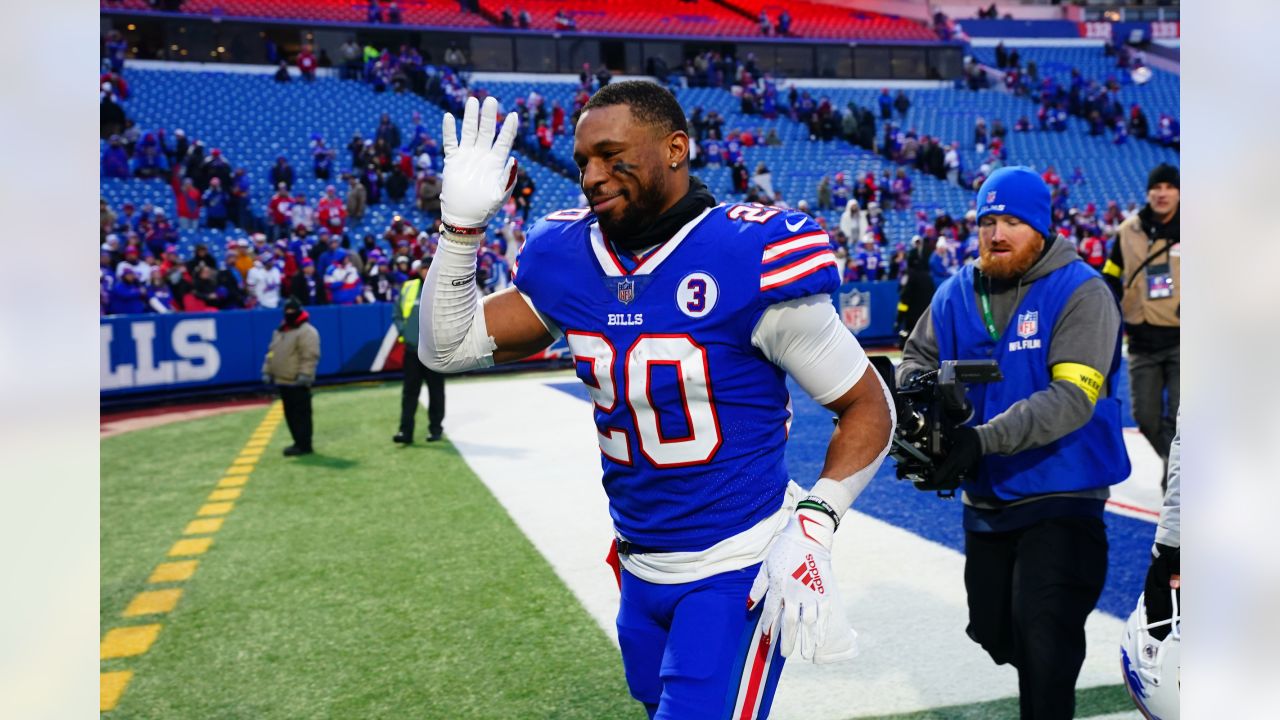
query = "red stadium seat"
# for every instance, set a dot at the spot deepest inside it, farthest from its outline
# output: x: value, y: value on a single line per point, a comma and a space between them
x: 441, y: 13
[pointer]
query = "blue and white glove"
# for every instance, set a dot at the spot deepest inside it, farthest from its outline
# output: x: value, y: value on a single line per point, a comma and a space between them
x: 801, y: 603
x: 479, y: 173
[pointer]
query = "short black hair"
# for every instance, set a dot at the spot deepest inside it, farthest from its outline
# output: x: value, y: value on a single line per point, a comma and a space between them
x: 650, y: 103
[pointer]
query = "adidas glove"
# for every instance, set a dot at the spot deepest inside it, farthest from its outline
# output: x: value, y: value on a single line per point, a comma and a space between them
x: 801, y: 603
x: 478, y: 174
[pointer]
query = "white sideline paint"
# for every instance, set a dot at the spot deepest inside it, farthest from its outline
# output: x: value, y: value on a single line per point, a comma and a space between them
x: 904, y: 594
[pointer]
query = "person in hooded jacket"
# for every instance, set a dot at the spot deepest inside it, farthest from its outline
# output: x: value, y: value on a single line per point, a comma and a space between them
x: 290, y: 366
x: 128, y: 296
x: 1042, y: 446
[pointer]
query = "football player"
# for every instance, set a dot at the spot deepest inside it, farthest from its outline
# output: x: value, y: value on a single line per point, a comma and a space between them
x: 684, y: 317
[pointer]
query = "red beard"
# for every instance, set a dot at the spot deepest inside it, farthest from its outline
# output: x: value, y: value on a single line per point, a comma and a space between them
x: 1009, y: 265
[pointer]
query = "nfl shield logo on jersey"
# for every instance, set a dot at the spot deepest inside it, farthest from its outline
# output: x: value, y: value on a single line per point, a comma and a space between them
x: 1028, y: 323
x: 855, y: 309
x: 626, y: 290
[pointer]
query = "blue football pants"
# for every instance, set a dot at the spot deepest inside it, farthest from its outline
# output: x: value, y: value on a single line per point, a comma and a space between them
x: 694, y: 651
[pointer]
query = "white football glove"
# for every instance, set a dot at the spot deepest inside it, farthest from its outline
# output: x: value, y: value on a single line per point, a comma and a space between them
x: 799, y: 591
x: 479, y: 173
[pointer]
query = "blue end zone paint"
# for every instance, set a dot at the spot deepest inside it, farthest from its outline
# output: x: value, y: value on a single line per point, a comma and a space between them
x: 573, y: 388
x: 933, y: 518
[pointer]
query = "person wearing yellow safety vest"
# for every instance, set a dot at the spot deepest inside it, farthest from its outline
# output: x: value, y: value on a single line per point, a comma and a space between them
x: 406, y: 319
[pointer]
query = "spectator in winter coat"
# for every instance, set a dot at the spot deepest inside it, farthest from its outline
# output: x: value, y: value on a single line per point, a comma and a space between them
x: 428, y: 192
x: 204, y: 293
x: 387, y: 132
x: 331, y: 256
x: 263, y: 282
x: 133, y: 262
x: 942, y: 263
x: 307, y: 287
x: 239, y: 190
x: 280, y: 212
x: 307, y: 63
x: 342, y: 279
x: 332, y: 211
x: 202, y: 258
x: 215, y: 166
x: 128, y: 296
x: 902, y: 104
x: 159, y: 295
x: 301, y: 214
x: 824, y: 193
x: 115, y: 161
x: 148, y: 158
x: 214, y: 201
x: 281, y: 172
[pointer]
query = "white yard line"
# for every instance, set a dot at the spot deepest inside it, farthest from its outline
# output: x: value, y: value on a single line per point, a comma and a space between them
x: 534, y: 447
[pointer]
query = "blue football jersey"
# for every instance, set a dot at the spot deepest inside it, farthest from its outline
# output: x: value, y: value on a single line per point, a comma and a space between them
x: 692, y: 419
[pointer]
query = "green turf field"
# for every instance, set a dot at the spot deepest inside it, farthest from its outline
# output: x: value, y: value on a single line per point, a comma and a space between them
x: 366, y: 581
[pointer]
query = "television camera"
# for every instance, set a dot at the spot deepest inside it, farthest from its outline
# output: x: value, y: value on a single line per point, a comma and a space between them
x: 929, y: 405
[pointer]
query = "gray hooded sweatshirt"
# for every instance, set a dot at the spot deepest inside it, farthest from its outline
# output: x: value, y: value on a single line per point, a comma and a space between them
x: 1084, y: 333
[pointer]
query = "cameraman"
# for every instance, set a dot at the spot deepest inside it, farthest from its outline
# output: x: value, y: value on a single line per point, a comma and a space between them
x: 1043, y: 445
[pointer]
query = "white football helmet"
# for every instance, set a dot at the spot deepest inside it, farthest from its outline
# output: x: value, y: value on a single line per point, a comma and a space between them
x: 1152, y: 668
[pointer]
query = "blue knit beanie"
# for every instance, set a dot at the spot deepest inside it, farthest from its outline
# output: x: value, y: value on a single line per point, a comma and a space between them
x: 1017, y: 191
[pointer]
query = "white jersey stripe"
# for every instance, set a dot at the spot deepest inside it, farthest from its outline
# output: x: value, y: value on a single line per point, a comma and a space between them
x: 609, y: 264
x: 800, y: 242
x: 797, y: 270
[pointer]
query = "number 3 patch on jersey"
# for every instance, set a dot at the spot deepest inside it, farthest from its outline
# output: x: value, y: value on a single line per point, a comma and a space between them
x: 697, y: 294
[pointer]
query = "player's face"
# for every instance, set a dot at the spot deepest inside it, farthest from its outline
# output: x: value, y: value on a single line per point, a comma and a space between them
x: 1163, y: 199
x: 621, y: 162
x: 1007, y: 246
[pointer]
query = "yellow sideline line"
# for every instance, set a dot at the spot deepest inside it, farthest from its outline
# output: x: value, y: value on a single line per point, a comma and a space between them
x: 134, y: 640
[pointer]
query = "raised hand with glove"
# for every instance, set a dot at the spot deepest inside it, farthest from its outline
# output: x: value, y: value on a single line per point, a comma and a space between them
x: 801, y: 603
x: 479, y: 176
x: 479, y: 173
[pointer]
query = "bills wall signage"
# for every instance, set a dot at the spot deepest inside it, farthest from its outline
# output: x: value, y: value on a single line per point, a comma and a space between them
x: 165, y: 353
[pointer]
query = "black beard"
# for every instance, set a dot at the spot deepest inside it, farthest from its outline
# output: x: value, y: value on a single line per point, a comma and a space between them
x: 638, y: 216
x: 643, y: 224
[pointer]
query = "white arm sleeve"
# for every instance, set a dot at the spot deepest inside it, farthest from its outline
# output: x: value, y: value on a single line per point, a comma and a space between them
x: 1169, y: 529
x: 805, y: 338
x: 453, y: 334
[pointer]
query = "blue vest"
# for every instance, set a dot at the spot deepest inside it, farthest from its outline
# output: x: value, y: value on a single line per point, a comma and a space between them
x: 1092, y: 456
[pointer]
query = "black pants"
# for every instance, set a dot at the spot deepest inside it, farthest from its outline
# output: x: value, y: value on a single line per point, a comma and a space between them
x: 414, y: 373
x: 1151, y: 375
x: 297, y: 413
x: 1030, y: 591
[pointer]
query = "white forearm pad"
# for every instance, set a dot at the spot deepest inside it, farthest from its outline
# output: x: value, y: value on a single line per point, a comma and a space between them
x: 453, y: 335
x: 840, y: 494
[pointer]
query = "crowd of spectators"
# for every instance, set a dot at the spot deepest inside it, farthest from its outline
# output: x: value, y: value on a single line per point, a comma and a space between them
x: 290, y: 245
x: 141, y: 268
x: 286, y: 244
x: 1097, y: 102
